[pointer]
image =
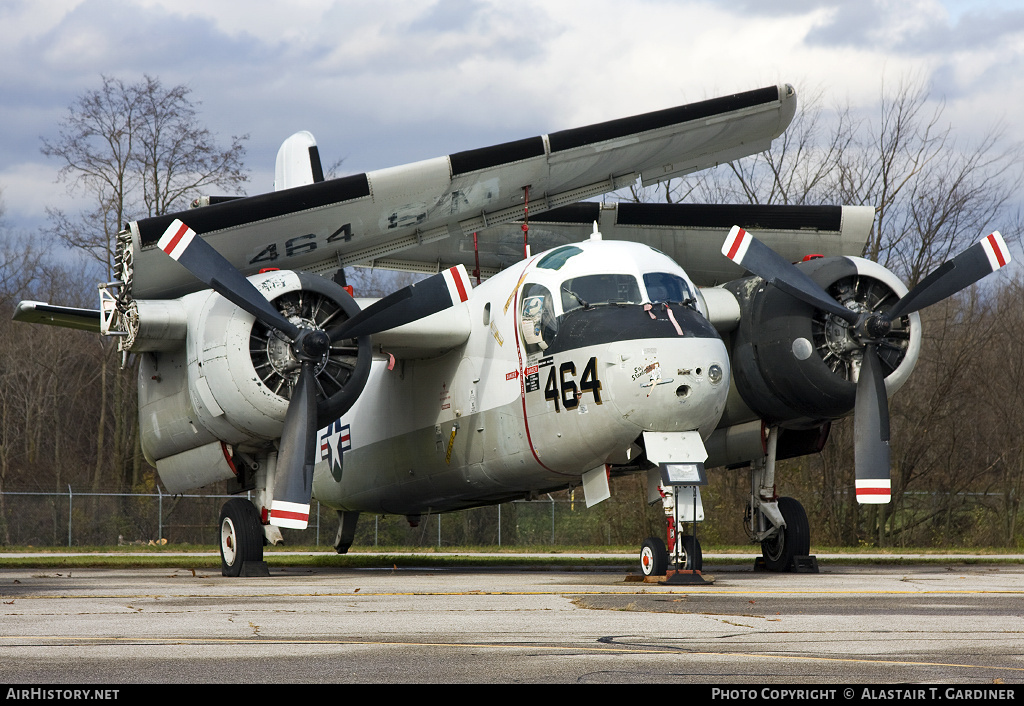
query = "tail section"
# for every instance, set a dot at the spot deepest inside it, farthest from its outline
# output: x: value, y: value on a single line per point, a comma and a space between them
x: 298, y: 162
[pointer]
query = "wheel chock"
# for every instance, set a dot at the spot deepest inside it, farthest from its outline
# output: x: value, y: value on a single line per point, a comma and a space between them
x: 804, y: 565
x: 685, y: 577
x: 797, y: 565
x: 254, y: 569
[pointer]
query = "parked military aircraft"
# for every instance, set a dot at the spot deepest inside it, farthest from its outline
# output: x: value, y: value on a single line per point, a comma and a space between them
x: 598, y: 355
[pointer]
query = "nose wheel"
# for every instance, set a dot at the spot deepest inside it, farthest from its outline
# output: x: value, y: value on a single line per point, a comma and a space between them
x: 653, y: 557
x: 690, y: 556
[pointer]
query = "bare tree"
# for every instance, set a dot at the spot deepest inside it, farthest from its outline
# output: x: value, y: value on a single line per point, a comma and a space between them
x: 134, y: 150
x: 933, y: 192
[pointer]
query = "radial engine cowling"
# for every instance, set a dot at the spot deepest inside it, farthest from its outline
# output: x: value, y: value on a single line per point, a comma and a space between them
x: 797, y: 367
x: 231, y: 379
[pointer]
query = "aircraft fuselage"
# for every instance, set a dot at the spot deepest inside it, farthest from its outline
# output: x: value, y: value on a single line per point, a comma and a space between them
x: 572, y: 355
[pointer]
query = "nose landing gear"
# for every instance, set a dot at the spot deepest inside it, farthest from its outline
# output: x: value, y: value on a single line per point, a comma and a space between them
x: 683, y: 553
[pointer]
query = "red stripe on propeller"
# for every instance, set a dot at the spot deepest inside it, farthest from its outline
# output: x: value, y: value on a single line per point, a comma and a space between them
x: 997, y: 250
x: 176, y: 239
x: 737, y: 241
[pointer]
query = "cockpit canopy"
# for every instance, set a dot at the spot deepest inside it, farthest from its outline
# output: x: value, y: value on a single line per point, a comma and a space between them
x: 576, y: 277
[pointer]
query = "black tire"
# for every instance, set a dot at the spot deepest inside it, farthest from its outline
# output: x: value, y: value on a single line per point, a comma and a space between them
x: 240, y: 534
x: 653, y: 557
x: 793, y: 540
x: 689, y: 549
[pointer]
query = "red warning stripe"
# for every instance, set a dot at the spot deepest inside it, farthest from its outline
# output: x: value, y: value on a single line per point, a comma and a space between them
x: 996, y: 249
x: 176, y: 239
x: 288, y: 515
x: 874, y: 491
x: 463, y: 296
x: 736, y: 242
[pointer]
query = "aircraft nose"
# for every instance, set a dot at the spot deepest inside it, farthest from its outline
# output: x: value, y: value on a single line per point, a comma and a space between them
x: 670, y: 384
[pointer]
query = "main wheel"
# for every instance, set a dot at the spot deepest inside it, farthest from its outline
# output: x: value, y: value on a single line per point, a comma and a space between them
x: 689, y: 549
x: 653, y: 557
x: 792, y: 540
x: 241, y: 536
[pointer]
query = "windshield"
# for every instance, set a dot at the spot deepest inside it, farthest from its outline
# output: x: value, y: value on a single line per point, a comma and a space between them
x: 591, y: 290
x: 665, y: 287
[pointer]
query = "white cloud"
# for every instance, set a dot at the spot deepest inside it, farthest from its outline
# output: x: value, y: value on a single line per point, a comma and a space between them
x: 386, y: 83
x: 28, y: 190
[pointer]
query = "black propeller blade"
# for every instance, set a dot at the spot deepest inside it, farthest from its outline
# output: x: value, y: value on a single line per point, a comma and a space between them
x: 293, y: 482
x: 871, y: 433
x: 414, y: 302
x: 982, y: 258
x: 746, y: 250
x: 871, y: 409
x: 309, y: 347
x: 210, y: 267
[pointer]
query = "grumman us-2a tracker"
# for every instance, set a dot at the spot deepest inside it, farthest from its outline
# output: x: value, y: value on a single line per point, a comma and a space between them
x: 593, y: 355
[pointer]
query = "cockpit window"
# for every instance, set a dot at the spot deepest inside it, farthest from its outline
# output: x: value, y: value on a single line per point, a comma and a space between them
x: 556, y: 258
x: 665, y: 287
x: 537, y: 317
x: 591, y: 290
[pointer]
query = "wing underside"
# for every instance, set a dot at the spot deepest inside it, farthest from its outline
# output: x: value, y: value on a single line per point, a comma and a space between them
x: 691, y: 234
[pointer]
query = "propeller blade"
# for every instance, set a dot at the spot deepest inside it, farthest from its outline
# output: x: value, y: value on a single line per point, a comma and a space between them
x: 982, y: 258
x: 871, y: 433
x: 293, y: 484
x: 411, y: 303
x: 749, y: 252
x: 210, y: 267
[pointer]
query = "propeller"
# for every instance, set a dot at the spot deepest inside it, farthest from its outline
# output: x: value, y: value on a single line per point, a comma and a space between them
x: 869, y: 328
x: 310, y: 347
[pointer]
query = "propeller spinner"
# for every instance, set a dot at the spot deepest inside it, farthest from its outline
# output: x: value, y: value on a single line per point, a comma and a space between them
x: 869, y: 328
x: 309, y: 346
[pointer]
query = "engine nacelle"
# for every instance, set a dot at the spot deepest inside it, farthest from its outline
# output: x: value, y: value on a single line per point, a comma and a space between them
x: 231, y: 378
x: 797, y: 367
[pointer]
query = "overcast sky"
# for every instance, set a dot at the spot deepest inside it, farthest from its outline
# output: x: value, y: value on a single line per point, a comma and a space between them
x: 385, y: 82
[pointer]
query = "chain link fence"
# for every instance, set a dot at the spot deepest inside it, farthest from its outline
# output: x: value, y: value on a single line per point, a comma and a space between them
x: 104, y: 519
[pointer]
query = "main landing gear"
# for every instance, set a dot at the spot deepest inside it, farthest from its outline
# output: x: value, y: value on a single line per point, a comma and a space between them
x: 241, y: 531
x: 779, y: 524
x: 241, y: 540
